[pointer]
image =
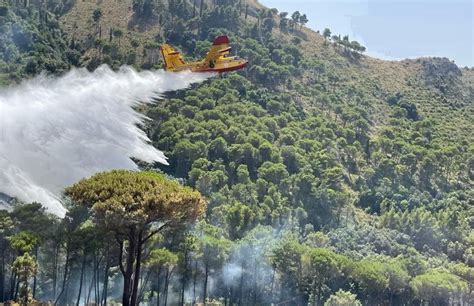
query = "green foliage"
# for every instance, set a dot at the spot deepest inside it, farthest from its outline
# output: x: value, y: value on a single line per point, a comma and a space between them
x: 96, y: 15
x: 321, y: 266
x: 25, y: 266
x: 135, y: 206
x: 371, y: 277
x: 24, y: 241
x: 327, y: 33
x: 324, y: 171
x: 29, y: 45
x: 121, y: 199
x: 286, y: 259
x: 439, y: 287
x: 162, y: 257
x: 343, y: 298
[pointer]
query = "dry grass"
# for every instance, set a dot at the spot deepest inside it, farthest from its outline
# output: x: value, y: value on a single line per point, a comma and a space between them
x: 116, y: 14
x: 391, y: 77
x: 376, y: 79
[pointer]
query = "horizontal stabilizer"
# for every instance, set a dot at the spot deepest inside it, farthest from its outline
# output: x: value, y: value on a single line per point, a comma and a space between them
x: 225, y: 50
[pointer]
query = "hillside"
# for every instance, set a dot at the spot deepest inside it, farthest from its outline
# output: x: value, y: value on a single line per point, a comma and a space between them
x: 418, y: 80
x: 330, y: 175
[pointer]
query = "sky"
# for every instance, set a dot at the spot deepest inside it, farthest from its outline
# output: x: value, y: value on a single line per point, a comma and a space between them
x: 395, y: 29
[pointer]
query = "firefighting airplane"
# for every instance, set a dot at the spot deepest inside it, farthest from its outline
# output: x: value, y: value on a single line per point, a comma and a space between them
x: 217, y: 59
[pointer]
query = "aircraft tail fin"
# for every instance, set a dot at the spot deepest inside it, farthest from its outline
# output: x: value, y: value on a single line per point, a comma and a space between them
x: 172, y: 59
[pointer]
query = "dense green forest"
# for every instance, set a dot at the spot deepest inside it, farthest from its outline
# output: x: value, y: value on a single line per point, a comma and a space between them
x: 329, y: 177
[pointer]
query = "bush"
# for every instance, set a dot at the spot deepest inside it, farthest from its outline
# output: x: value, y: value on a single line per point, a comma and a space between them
x: 343, y: 298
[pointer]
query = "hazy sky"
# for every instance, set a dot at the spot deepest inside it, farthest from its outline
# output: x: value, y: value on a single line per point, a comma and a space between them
x: 395, y: 29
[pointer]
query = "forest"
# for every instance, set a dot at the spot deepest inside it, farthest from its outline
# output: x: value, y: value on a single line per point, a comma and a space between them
x: 317, y: 176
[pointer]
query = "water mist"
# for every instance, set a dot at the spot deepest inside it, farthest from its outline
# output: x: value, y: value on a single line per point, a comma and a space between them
x: 56, y: 130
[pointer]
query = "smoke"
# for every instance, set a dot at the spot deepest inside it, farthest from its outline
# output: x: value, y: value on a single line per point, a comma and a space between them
x: 55, y: 131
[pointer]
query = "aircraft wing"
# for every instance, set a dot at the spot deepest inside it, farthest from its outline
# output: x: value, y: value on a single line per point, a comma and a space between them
x: 219, y: 48
x: 172, y: 58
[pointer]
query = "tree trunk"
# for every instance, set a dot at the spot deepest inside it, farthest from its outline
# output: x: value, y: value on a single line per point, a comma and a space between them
x: 94, y: 281
x: 183, y: 286
x: 91, y: 286
x: 66, y: 271
x: 144, y: 284
x: 206, y: 276
x: 136, y: 281
x: 167, y: 281
x: 12, y: 284
x: 319, y: 292
x: 169, y: 272
x: 97, y: 282
x: 2, y: 273
x: 17, y: 286
x: 184, y: 277
x: 127, y: 271
x: 24, y: 293
x: 194, y: 281
x: 55, y: 269
x: 106, y: 281
x: 128, y: 276
x: 34, y: 277
x: 81, y: 279
x: 254, y: 285
x: 272, y: 284
x: 241, y: 286
x: 158, y: 287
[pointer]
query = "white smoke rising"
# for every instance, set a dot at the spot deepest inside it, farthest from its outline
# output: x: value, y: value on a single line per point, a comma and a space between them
x: 55, y: 131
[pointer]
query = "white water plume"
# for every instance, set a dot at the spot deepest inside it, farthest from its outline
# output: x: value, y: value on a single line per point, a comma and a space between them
x: 55, y: 131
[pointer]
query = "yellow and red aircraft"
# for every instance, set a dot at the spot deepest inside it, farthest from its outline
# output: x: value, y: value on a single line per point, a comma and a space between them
x: 217, y: 59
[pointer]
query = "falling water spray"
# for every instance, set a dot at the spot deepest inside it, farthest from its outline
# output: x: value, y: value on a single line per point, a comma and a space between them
x: 56, y: 130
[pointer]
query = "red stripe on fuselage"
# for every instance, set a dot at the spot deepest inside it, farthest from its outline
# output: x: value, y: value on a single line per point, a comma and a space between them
x: 221, y: 70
